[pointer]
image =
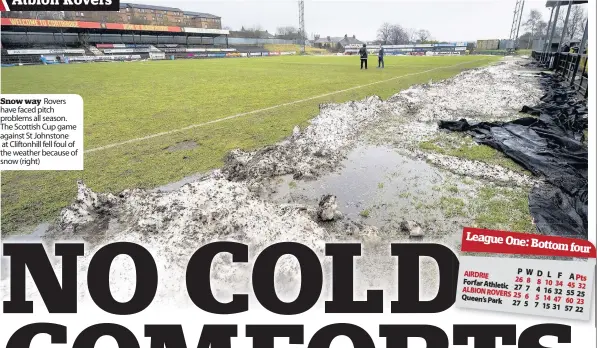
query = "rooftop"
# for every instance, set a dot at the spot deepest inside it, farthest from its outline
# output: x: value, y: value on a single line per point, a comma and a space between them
x: 170, y: 9
x: 351, y: 40
x: 331, y: 39
x: 336, y: 39
x: 150, y: 7
x: 199, y: 14
x: 564, y: 3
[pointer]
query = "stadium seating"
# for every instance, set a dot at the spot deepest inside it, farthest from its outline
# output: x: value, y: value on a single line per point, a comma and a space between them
x: 250, y: 49
x: 124, y: 51
x: 23, y: 53
x: 94, y: 51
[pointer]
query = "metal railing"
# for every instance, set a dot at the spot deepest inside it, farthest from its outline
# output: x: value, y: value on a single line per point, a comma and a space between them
x: 570, y: 66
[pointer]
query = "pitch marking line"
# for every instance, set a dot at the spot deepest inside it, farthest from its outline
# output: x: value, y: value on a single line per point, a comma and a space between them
x: 156, y: 135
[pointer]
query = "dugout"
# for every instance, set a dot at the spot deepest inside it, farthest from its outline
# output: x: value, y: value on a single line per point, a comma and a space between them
x: 572, y: 65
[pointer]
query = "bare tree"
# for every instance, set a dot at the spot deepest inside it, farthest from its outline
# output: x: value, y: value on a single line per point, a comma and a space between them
x: 576, y: 22
x: 560, y: 21
x: 541, y: 29
x: 281, y: 31
x: 253, y: 32
x: 384, y: 32
x: 531, y: 24
x: 289, y: 33
x: 412, y: 35
x: 398, y: 35
x: 424, y: 35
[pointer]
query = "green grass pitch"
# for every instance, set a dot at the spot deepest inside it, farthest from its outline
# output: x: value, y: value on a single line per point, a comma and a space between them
x: 126, y: 101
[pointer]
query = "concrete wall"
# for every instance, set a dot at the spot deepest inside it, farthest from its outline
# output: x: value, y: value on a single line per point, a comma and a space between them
x: 488, y: 44
x: 506, y: 44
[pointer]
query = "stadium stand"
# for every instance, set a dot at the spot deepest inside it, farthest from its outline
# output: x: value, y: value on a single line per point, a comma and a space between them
x: 27, y: 41
x: 31, y: 54
x: 88, y: 36
x: 453, y: 48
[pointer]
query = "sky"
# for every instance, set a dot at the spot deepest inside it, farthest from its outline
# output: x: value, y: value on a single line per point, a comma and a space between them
x: 446, y: 20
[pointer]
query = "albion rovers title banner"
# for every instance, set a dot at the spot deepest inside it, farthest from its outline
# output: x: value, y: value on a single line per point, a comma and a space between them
x: 59, y: 5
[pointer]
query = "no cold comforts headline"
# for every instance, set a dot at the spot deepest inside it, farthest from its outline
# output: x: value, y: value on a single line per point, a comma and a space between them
x: 60, y: 296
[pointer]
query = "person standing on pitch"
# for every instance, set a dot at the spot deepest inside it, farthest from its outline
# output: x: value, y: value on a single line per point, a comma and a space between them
x: 380, y: 63
x: 363, y: 54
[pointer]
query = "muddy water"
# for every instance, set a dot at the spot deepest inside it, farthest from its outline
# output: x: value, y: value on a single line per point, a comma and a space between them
x: 173, y: 186
x: 374, y: 184
x: 388, y: 188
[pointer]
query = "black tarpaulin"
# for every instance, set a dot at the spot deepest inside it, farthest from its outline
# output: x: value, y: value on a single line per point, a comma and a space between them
x: 550, y: 146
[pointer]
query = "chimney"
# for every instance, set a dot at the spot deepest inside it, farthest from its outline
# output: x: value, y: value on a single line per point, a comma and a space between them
x: 354, y: 36
x: 345, y: 36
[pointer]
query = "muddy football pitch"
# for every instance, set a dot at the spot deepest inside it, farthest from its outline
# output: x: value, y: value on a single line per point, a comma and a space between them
x: 151, y: 123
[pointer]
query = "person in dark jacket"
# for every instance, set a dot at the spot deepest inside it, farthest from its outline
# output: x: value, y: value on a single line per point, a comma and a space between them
x: 363, y: 54
x: 382, y: 52
x: 565, y: 48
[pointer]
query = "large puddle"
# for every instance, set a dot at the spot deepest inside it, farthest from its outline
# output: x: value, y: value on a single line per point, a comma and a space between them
x: 380, y: 187
x: 374, y: 184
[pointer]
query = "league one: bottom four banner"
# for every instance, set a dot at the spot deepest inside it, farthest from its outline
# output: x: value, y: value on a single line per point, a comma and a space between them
x: 559, y: 287
x: 498, y: 271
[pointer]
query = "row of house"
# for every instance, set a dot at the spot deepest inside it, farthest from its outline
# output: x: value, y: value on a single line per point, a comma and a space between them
x: 131, y: 14
x: 336, y: 42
